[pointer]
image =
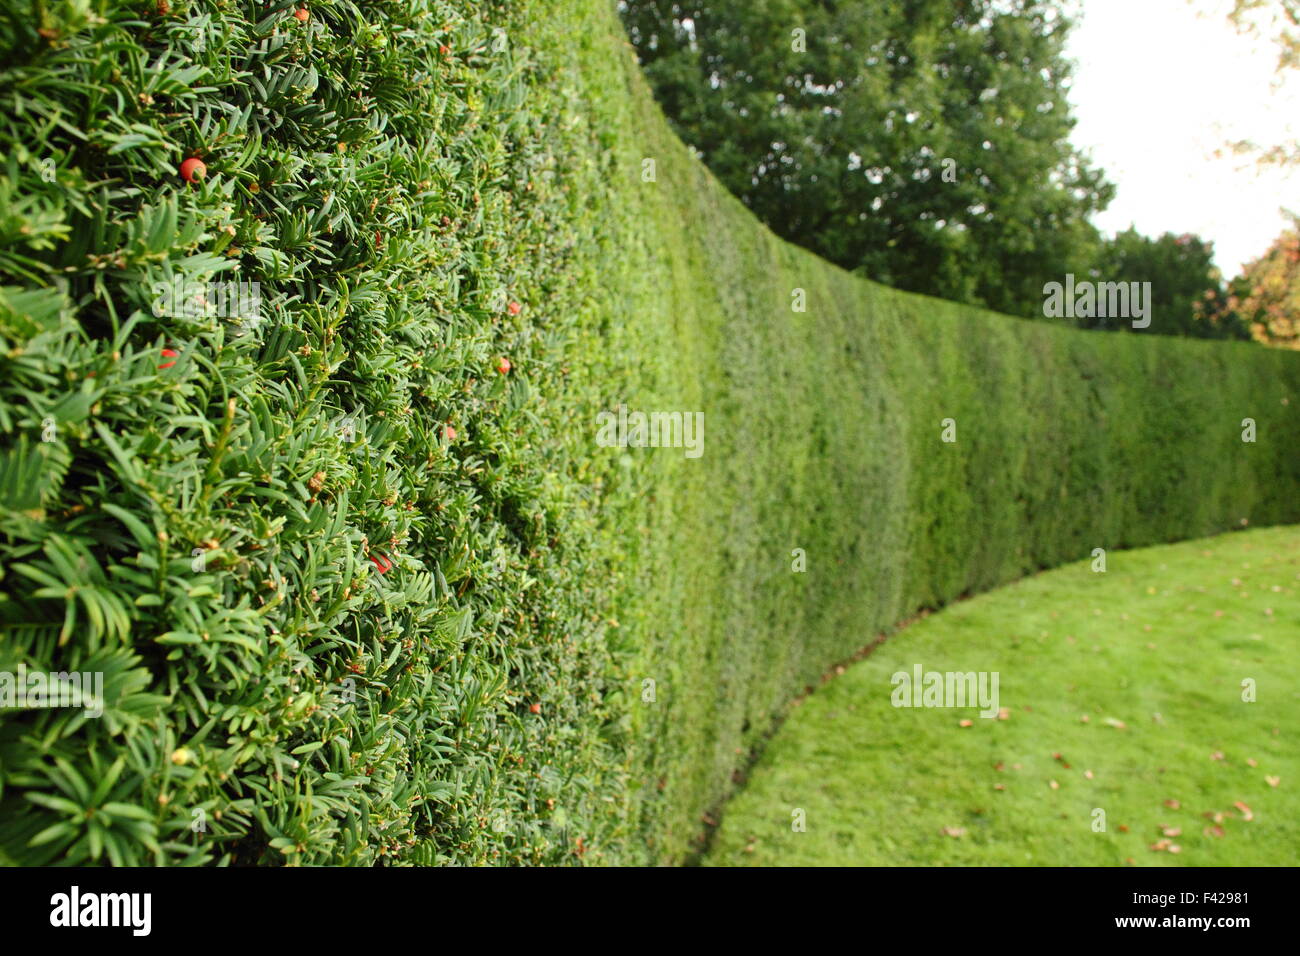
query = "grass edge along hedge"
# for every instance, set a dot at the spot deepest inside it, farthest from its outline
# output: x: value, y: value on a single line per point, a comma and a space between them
x: 469, y: 634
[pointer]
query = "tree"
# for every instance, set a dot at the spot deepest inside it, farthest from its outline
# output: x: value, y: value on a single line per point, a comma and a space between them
x: 1187, y: 290
x: 918, y: 142
x: 1266, y: 295
x: 1279, y: 22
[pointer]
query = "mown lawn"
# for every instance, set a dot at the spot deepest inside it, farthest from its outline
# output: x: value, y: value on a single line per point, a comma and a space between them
x: 1123, y: 692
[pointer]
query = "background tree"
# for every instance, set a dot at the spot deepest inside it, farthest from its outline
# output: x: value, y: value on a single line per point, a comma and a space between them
x: 1278, y: 21
x: 1187, y: 291
x: 1266, y: 296
x: 923, y: 143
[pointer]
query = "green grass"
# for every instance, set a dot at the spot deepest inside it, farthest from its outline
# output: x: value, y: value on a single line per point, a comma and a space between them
x: 1133, y: 677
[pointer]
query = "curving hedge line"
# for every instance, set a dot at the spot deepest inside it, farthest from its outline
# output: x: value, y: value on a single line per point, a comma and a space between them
x: 823, y: 432
x: 362, y: 583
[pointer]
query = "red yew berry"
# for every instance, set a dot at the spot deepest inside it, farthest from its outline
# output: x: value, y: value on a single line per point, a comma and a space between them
x: 192, y: 170
x: 503, y: 365
x: 443, y: 49
x: 301, y: 14
x: 169, y: 354
x: 381, y: 562
x: 449, y: 433
x: 515, y: 308
x: 535, y: 708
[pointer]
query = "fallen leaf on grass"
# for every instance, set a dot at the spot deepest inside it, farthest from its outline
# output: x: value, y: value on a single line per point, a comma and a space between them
x: 966, y: 723
x: 1171, y: 831
x: 1245, y: 811
x: 954, y: 831
x: 1273, y: 781
x: 1172, y: 804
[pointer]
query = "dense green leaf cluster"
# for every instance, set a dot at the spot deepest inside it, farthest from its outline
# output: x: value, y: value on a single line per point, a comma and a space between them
x: 330, y: 557
x: 1187, y: 290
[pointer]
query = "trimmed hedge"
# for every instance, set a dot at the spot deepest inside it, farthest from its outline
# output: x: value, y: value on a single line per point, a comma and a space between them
x: 823, y: 433
x: 214, y: 520
x: 362, y: 593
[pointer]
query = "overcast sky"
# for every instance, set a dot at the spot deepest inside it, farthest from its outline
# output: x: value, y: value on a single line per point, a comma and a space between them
x: 1159, y: 87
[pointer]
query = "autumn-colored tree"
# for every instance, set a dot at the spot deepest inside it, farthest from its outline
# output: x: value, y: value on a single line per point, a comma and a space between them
x: 1278, y: 21
x: 1267, y: 293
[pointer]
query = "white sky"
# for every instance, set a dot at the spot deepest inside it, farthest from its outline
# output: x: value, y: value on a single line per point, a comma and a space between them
x: 1159, y: 87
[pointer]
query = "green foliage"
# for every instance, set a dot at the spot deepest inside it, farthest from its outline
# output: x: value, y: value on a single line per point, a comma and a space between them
x: 210, y: 529
x: 413, y: 215
x: 922, y: 143
x: 1187, y: 291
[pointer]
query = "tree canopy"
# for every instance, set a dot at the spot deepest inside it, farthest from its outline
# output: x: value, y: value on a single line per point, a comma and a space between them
x: 1267, y: 293
x: 923, y: 143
